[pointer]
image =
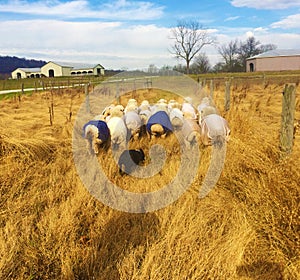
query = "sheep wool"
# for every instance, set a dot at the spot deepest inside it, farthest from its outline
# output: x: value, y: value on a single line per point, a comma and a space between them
x: 162, y: 118
x: 103, y: 131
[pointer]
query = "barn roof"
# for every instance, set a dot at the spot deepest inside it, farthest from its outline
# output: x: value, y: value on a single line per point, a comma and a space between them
x: 83, y: 66
x: 77, y: 66
x: 30, y: 69
x: 276, y: 53
x: 62, y: 64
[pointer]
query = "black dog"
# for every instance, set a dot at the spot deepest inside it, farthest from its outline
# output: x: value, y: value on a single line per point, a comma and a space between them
x: 129, y: 159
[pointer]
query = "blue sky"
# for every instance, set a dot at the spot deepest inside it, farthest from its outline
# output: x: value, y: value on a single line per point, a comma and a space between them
x: 128, y: 34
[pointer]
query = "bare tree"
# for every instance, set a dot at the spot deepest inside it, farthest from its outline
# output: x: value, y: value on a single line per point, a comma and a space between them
x: 230, y: 55
x: 252, y: 47
x: 236, y: 53
x: 200, y: 65
x: 189, y: 39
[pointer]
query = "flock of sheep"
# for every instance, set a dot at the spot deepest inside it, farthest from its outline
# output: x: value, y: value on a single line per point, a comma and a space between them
x: 117, y: 125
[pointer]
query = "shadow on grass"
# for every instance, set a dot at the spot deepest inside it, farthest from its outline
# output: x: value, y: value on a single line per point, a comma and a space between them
x: 122, y: 233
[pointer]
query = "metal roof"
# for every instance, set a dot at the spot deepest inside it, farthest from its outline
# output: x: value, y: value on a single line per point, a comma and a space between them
x: 76, y: 65
x: 275, y: 53
x: 30, y: 69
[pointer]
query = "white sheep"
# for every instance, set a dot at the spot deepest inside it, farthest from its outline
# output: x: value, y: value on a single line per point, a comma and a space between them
x: 188, y: 108
x: 190, y: 129
x: 173, y: 104
x: 145, y: 105
x: 214, y: 128
x: 204, y: 103
x: 106, y: 112
x: 176, y: 118
x: 132, y: 105
x: 132, y: 101
x: 159, y: 125
x: 97, y: 133
x: 191, y: 132
x: 160, y: 106
x: 144, y: 115
x: 133, y: 123
x: 118, y: 132
x: 117, y: 127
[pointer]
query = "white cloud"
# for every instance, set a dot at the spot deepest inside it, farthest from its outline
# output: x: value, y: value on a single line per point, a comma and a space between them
x: 292, y: 21
x: 232, y: 18
x: 281, y: 40
x: 119, y: 9
x: 265, y: 36
x: 111, y: 44
x: 249, y: 34
x: 266, y: 4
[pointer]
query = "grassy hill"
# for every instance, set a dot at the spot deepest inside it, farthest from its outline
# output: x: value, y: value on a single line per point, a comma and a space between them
x: 10, y: 63
x: 52, y: 228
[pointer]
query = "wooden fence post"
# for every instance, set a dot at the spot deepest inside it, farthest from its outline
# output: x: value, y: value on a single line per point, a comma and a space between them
x: 227, y: 95
x: 199, y: 83
x: 118, y: 92
x: 211, y: 88
x: 22, y: 92
x: 87, y: 98
x: 287, y: 118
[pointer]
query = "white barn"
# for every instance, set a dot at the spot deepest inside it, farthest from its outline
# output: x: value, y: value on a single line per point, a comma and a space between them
x: 54, y: 69
x: 21, y: 73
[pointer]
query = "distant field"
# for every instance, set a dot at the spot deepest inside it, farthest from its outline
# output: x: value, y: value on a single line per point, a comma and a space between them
x: 47, y: 82
x: 286, y: 76
x: 246, y: 228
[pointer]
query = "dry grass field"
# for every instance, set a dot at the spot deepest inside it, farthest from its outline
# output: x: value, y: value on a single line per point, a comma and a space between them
x: 246, y: 228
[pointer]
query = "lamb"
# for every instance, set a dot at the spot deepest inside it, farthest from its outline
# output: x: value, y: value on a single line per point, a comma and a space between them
x: 172, y: 104
x: 117, y: 128
x: 160, y: 106
x: 97, y: 133
x: 188, y: 108
x: 176, y: 118
x: 129, y: 159
x: 105, y: 115
x: 133, y: 123
x: 214, y: 128
x: 132, y: 105
x: 159, y: 125
x: 145, y: 105
x: 190, y: 130
x: 117, y: 111
x: 204, y: 103
x: 132, y: 101
x: 144, y: 115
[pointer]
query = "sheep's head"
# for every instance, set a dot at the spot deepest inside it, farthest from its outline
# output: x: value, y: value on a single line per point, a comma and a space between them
x: 144, y: 118
x: 189, y: 115
x: 107, y: 111
x: 132, y: 101
x: 208, y: 110
x: 131, y: 108
x: 117, y: 111
x: 145, y: 102
x: 161, y: 107
x: 162, y: 100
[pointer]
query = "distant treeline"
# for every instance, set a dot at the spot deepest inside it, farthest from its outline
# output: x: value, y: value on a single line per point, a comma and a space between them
x: 10, y: 63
